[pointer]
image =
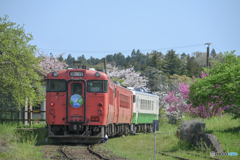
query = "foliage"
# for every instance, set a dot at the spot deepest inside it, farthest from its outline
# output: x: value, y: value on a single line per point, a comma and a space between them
x: 18, y: 66
x: 155, y: 60
x: 130, y: 77
x: 223, y: 82
x: 179, y: 78
x: 155, y: 78
x: 178, y: 105
x: 193, y: 68
x: 172, y: 63
x: 50, y: 64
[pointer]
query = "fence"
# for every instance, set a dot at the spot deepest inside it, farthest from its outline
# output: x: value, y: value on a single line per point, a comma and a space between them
x: 29, y: 116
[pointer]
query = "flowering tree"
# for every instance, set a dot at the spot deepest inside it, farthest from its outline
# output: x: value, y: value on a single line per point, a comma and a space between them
x: 50, y: 64
x: 223, y: 82
x: 130, y: 77
x: 178, y: 105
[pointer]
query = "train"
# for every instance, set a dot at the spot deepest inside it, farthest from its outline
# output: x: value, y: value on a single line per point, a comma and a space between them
x: 84, y: 105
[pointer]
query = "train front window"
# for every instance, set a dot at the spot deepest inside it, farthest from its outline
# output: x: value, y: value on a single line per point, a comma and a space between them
x: 97, y: 86
x: 76, y: 88
x: 56, y: 85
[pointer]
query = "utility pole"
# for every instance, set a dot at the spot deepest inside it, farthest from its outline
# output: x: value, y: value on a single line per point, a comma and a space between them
x: 105, y: 65
x: 208, y: 52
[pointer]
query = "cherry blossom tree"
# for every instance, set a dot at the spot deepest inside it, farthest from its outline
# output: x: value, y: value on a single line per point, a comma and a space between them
x: 130, y: 77
x: 50, y: 64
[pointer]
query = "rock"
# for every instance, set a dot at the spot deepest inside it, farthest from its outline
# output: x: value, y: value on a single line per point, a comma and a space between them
x: 178, y: 135
x: 210, y: 140
x: 199, y: 128
x: 193, y: 132
x: 190, y: 128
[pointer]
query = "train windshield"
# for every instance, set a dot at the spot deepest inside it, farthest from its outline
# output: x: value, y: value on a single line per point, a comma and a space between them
x: 97, y: 86
x: 56, y: 85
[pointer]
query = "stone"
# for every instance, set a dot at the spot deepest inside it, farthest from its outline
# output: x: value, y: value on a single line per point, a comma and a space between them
x: 210, y: 140
x: 193, y: 132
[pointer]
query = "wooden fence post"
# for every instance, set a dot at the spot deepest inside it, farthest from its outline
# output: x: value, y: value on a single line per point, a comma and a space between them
x: 29, y: 118
x: 11, y: 116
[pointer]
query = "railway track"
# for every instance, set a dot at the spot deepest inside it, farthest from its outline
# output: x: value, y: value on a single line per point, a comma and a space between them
x: 87, y: 155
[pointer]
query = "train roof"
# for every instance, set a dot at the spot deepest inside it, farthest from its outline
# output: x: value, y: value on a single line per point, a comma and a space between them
x: 144, y: 93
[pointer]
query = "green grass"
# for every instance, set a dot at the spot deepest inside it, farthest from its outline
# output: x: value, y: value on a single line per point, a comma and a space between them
x: 15, y: 144
x: 141, y: 146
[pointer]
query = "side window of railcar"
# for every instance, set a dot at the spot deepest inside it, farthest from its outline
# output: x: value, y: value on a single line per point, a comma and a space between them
x: 76, y: 88
x: 97, y: 86
x: 56, y: 85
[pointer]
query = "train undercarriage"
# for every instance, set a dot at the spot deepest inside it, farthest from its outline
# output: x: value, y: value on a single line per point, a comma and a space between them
x: 75, y: 133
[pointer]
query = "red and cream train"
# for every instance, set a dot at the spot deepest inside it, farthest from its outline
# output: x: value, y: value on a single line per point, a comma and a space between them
x: 82, y: 106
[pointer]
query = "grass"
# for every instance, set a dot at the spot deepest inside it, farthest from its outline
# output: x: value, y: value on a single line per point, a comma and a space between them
x: 15, y: 144
x: 141, y: 146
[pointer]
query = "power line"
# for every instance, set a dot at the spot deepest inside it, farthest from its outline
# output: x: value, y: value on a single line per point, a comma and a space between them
x: 217, y: 48
x: 79, y: 51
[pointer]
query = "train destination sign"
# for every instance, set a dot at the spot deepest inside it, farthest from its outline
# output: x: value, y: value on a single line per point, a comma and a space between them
x: 76, y: 74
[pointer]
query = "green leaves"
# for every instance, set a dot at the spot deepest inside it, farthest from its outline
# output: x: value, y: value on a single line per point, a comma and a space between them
x: 223, y: 81
x: 18, y: 66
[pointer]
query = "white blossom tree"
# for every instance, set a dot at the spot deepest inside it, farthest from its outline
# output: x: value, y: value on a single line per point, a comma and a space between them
x: 130, y: 77
x: 50, y: 64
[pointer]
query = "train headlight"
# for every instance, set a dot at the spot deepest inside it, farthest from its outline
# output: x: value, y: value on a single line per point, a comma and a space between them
x: 55, y: 74
x: 97, y: 74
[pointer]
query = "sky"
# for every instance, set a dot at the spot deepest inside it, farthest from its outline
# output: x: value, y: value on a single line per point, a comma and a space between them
x: 100, y: 27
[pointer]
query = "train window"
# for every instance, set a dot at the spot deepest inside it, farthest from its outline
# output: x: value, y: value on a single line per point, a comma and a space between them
x: 56, y: 85
x: 134, y: 98
x: 76, y: 88
x: 97, y: 86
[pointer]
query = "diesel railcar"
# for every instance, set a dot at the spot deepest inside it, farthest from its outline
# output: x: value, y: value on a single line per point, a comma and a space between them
x: 82, y: 106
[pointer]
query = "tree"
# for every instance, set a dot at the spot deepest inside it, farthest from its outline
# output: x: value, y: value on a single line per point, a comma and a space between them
x: 50, y: 64
x: 82, y: 59
x: 129, y: 76
x: 60, y: 58
x: 172, y: 63
x: 18, y: 66
x: 155, y: 59
x: 183, y: 57
x: 119, y: 58
x: 213, y: 53
x: 155, y: 79
x: 194, y: 69
x: 200, y: 58
x: 133, y: 54
x: 223, y: 81
x: 69, y: 61
x: 109, y: 58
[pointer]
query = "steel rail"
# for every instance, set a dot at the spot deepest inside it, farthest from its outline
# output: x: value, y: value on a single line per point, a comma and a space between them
x: 203, y: 156
x: 99, y: 155
x: 165, y: 154
x: 65, y: 154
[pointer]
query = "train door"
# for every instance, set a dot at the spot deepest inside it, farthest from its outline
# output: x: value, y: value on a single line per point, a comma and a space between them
x: 76, y: 107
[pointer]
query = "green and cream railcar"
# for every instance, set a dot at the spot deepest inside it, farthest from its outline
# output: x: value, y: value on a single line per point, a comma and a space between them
x: 145, y: 110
